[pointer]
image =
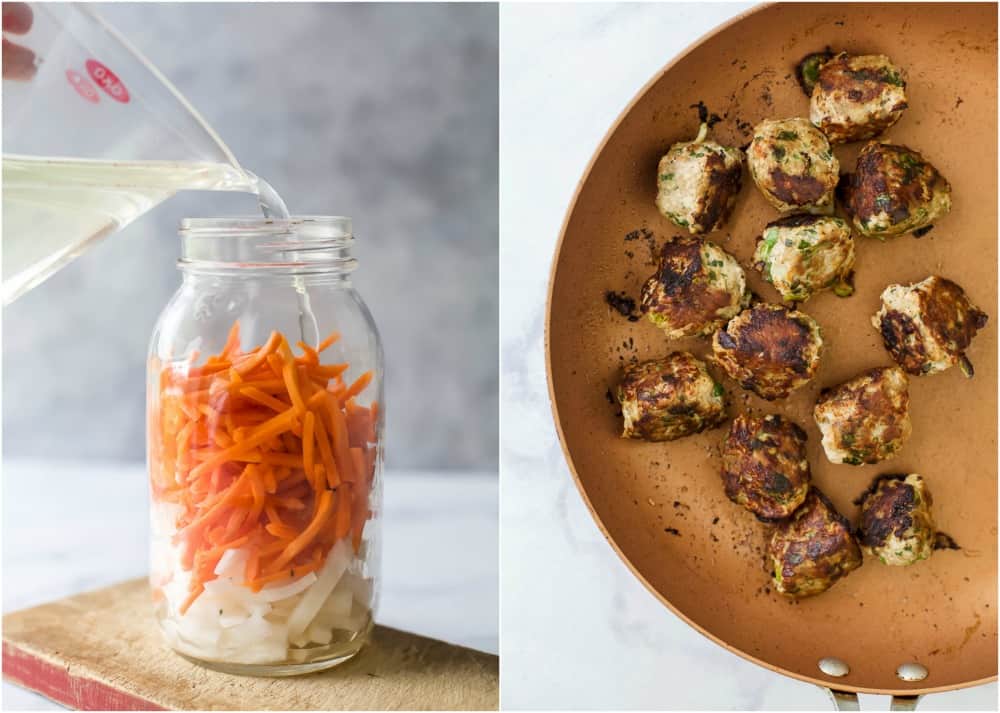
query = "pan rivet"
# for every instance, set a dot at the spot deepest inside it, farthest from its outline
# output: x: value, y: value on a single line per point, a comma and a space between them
x: 834, y: 667
x: 911, y: 672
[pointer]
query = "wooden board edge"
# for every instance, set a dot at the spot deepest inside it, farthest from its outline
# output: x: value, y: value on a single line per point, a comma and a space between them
x: 59, y: 684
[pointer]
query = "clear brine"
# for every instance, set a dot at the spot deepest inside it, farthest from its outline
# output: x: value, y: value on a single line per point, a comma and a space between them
x: 54, y: 208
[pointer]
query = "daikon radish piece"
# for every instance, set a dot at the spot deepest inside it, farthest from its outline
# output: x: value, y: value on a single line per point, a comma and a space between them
x: 233, y: 617
x: 222, y: 592
x: 358, y: 618
x: 335, y: 610
x: 275, y: 593
x: 361, y: 589
x: 333, y: 569
x: 232, y: 563
x: 319, y: 634
x: 205, y: 637
x: 262, y: 609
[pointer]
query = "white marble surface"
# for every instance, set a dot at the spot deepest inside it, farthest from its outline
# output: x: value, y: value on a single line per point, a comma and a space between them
x: 69, y: 529
x: 579, y: 632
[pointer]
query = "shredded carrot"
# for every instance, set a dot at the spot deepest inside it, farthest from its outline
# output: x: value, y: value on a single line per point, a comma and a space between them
x: 255, y: 394
x: 358, y: 386
x: 326, y: 453
x: 266, y: 451
x: 308, y: 441
x: 328, y: 342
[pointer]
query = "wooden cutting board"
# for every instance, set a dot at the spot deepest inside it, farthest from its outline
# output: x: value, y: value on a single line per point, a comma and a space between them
x: 101, y: 651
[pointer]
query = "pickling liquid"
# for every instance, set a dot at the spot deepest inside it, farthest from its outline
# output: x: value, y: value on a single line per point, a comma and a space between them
x: 54, y: 208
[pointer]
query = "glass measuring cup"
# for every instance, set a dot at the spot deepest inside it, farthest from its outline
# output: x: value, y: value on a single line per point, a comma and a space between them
x: 93, y: 139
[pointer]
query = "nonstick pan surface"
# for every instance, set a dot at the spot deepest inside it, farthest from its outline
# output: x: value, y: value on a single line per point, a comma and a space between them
x: 662, y: 505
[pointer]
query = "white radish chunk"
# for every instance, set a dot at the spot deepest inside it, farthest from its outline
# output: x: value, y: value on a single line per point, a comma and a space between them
x: 232, y: 564
x: 275, y: 593
x: 318, y: 634
x: 333, y: 569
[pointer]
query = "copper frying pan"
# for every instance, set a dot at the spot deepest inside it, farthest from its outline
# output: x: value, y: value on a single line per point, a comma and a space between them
x: 661, y: 505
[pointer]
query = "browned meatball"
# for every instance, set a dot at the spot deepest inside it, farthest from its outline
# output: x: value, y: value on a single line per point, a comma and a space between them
x: 894, y: 190
x: 865, y: 419
x: 764, y: 465
x: 792, y: 164
x: 814, y: 548
x: 857, y: 97
x: 696, y: 288
x: 697, y: 183
x: 896, y: 522
x: 769, y: 349
x: 666, y: 399
x: 928, y: 326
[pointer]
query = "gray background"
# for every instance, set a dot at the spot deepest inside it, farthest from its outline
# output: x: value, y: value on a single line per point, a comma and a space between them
x: 384, y: 112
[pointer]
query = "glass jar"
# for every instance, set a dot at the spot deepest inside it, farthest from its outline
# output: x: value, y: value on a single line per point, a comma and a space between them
x: 265, y: 418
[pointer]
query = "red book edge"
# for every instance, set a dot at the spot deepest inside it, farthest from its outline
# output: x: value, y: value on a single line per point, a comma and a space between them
x: 55, y: 682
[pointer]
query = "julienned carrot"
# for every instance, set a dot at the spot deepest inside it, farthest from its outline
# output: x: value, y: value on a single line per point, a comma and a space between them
x: 303, y: 540
x: 262, y: 450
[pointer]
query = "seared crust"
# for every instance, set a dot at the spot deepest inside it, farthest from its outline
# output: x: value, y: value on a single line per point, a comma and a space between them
x: 813, y: 549
x: 894, y: 190
x: 927, y: 326
x: 792, y: 164
x: 857, y: 97
x: 666, y: 399
x: 696, y: 288
x: 764, y: 465
x: 896, y: 523
x: 865, y: 419
x: 769, y: 349
x: 697, y: 184
x: 724, y: 179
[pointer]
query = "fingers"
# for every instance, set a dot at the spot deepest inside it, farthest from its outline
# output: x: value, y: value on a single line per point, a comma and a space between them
x: 18, y: 62
x: 17, y: 18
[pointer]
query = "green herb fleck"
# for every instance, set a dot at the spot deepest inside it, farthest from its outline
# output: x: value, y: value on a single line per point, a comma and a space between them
x: 842, y: 289
x: 787, y: 135
x: 718, y: 391
x: 893, y: 78
x: 779, y: 152
x: 911, y: 165
x: 667, y: 177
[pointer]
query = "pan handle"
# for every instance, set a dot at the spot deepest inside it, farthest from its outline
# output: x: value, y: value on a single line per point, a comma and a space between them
x: 848, y: 701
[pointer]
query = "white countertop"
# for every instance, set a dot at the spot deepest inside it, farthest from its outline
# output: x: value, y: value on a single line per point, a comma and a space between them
x: 579, y: 631
x: 69, y: 529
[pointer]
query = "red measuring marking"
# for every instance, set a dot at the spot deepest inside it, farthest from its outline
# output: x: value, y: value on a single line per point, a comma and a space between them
x: 82, y: 86
x: 108, y: 81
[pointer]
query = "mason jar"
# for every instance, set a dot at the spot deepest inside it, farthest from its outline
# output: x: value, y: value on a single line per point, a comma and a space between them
x: 265, y: 420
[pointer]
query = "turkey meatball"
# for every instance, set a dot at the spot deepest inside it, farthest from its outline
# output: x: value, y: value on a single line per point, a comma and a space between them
x: 764, y: 465
x: 866, y: 419
x: 928, y: 326
x: 896, y: 523
x: 803, y: 254
x: 812, y: 549
x: 697, y: 287
x: 857, y: 97
x: 894, y: 190
x: 666, y: 399
x: 792, y: 164
x: 769, y: 349
x: 697, y: 183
